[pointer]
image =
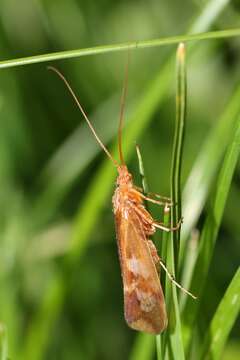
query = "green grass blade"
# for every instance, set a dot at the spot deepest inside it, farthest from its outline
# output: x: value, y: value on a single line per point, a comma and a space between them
x: 141, y: 171
x: 162, y: 339
x: 38, y: 332
x: 222, y: 321
x: 131, y: 45
x: 3, y: 342
x: 205, y: 168
x: 174, y: 331
x: 143, y: 348
x: 209, y: 13
x: 210, y: 230
x: 172, y: 342
x: 189, y: 264
x: 178, y: 146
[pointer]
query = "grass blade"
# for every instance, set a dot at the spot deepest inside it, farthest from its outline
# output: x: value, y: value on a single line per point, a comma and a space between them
x: 205, y: 168
x: 210, y: 12
x: 210, y: 230
x: 3, y: 342
x: 162, y: 339
x: 143, y: 348
x: 189, y: 264
x: 174, y: 332
x: 119, y: 47
x: 222, y: 321
x: 178, y: 146
x: 141, y: 171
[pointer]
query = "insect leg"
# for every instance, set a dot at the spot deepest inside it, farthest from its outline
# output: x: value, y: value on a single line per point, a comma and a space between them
x: 163, y: 227
x: 167, y: 199
x: 171, y: 277
x: 161, y: 203
x: 164, y: 199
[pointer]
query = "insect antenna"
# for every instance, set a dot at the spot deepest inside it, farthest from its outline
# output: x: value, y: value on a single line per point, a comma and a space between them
x: 83, y: 113
x: 122, y: 107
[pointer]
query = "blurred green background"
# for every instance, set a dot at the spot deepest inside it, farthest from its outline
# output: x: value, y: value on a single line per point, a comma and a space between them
x: 48, y: 160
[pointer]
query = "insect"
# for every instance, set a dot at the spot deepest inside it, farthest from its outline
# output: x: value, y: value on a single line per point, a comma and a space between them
x: 144, y: 305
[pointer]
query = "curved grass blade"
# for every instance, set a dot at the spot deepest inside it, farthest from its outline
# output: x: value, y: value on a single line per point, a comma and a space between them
x: 210, y: 230
x: 202, y: 176
x: 131, y: 45
x: 222, y: 321
x: 209, y: 13
x: 205, y: 168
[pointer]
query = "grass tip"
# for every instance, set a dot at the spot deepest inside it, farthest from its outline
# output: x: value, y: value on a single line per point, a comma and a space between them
x: 181, y: 51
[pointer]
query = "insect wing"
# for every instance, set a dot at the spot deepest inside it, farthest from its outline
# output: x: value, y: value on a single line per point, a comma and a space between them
x: 144, y: 305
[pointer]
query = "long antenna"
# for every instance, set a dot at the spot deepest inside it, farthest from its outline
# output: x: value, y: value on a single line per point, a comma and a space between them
x: 83, y: 113
x: 122, y: 106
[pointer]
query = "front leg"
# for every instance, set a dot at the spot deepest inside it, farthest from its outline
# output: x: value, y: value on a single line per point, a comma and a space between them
x: 150, y: 225
x: 165, y: 201
x: 163, y: 227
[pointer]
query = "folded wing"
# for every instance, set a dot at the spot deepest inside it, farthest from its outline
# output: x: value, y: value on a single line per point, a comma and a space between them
x: 144, y: 305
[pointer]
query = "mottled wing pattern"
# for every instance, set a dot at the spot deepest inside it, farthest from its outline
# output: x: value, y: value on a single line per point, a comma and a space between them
x: 144, y: 304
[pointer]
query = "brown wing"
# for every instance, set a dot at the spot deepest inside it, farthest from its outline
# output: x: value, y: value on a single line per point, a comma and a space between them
x: 144, y: 304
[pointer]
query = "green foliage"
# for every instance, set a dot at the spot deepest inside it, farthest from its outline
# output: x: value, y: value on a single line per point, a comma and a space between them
x: 60, y: 285
x: 3, y: 343
x: 211, y: 228
x: 223, y: 320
